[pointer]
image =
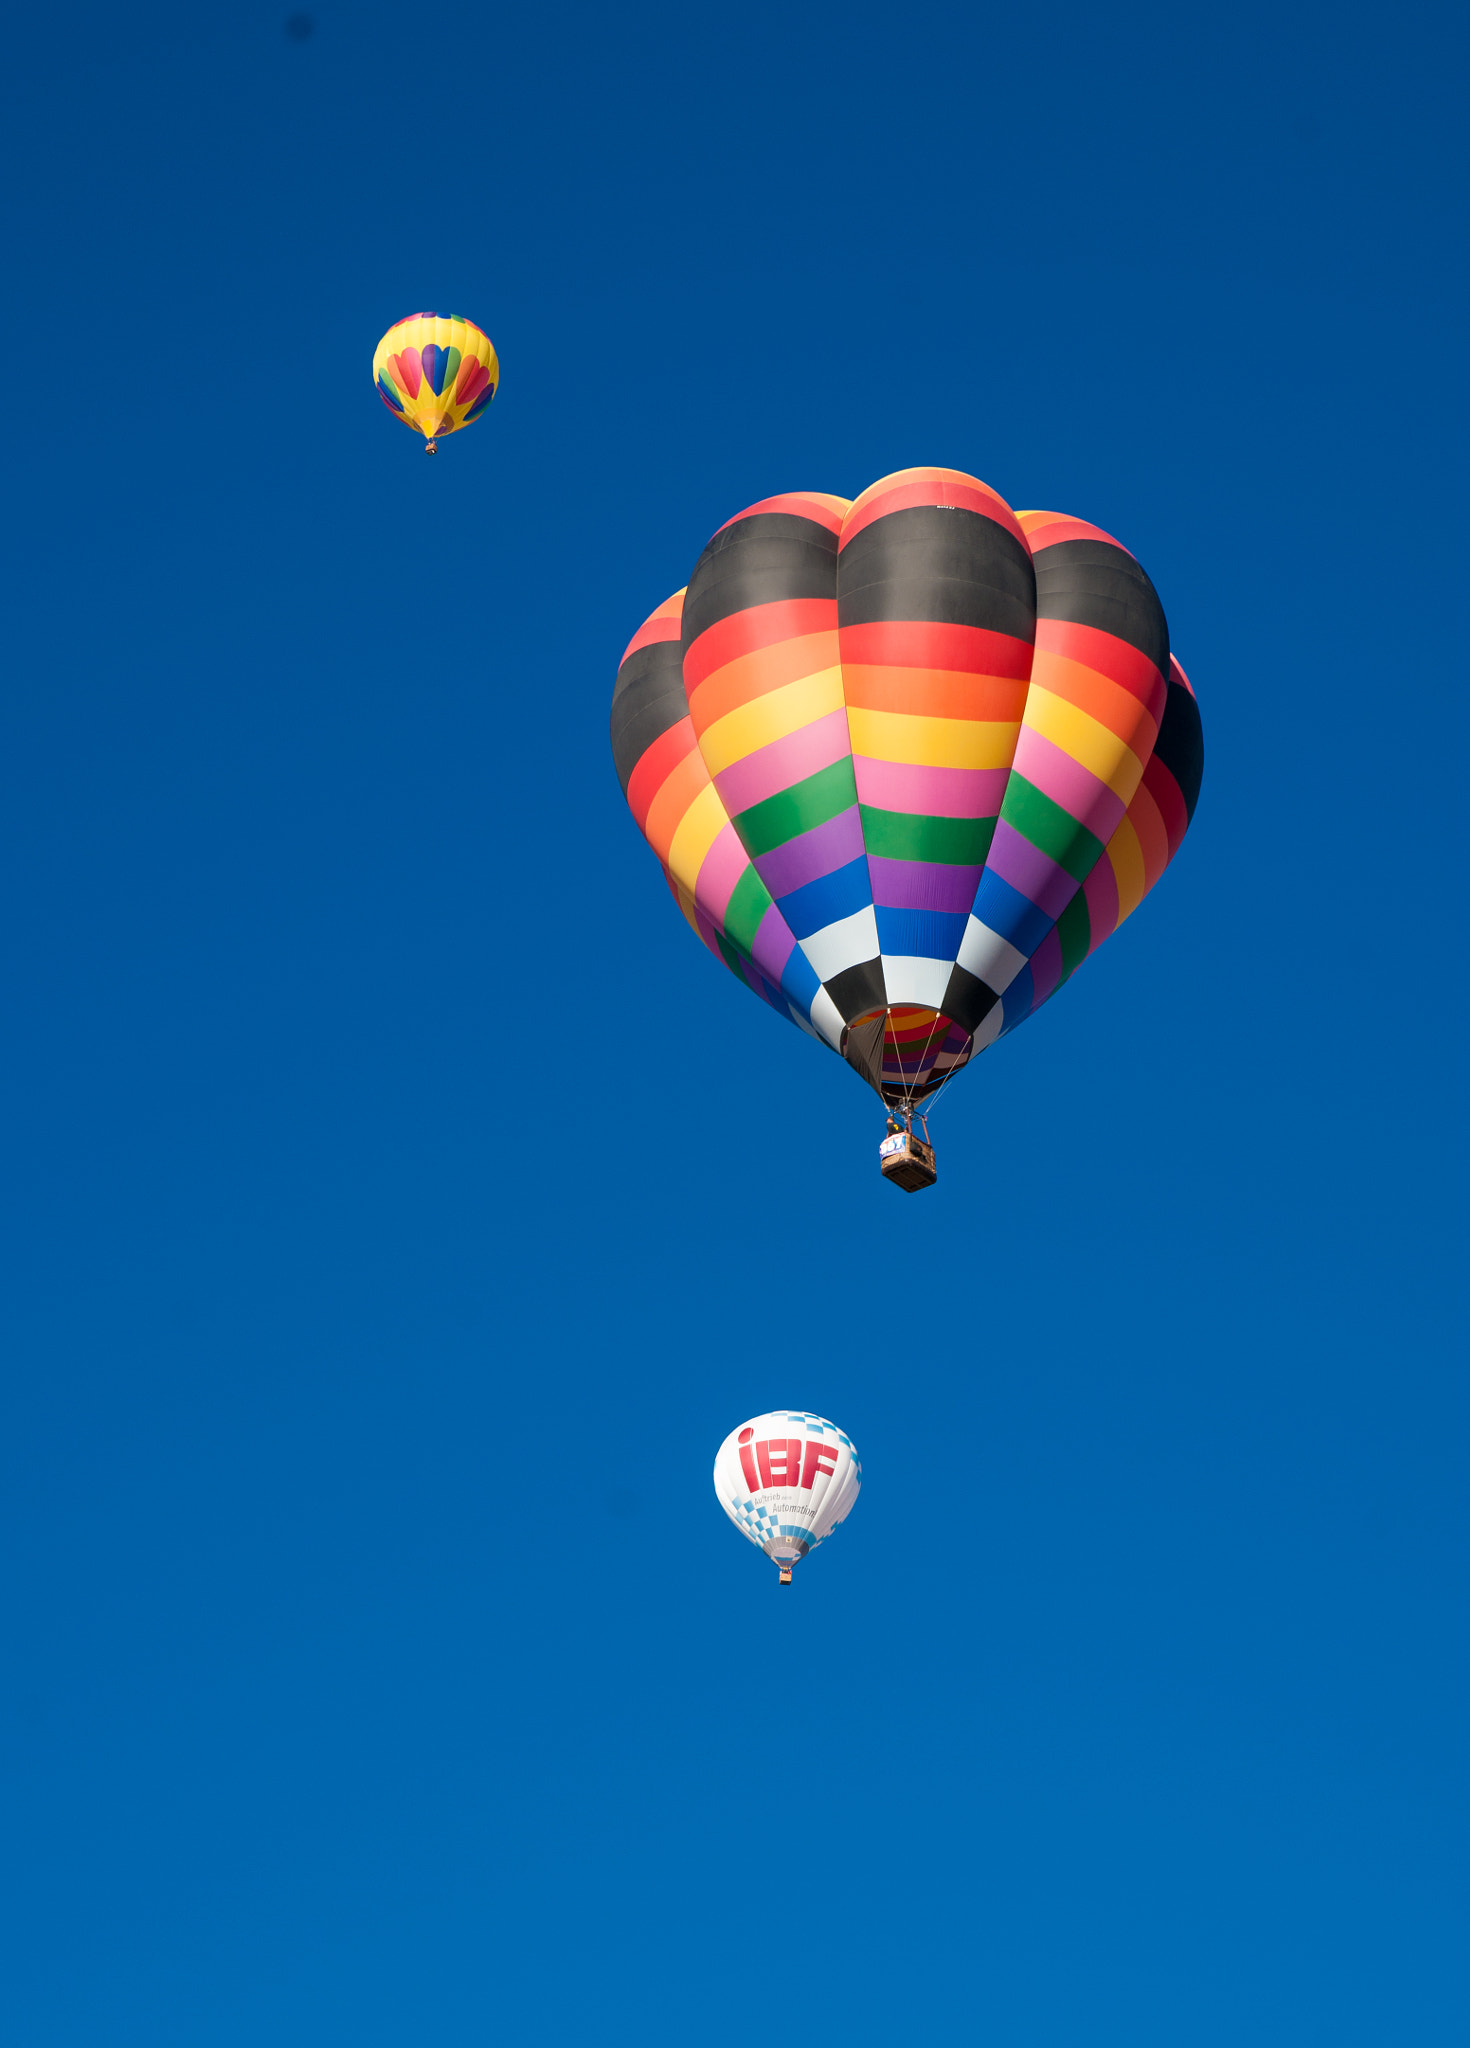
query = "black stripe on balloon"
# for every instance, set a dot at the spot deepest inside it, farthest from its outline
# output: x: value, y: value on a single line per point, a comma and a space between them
x: 647, y: 699
x: 968, y: 1000
x: 765, y: 559
x: 939, y: 563
x: 1181, y: 744
x: 1093, y: 583
x: 857, y: 989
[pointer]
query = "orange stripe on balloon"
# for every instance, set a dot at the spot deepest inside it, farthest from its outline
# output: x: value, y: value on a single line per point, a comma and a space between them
x: 933, y: 692
x: 756, y: 675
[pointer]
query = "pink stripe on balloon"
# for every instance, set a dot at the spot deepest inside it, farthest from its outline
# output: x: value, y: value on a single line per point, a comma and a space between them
x: 409, y: 371
x: 786, y: 761
x: 1027, y: 868
x: 1101, y: 891
x: 1081, y: 794
x: 929, y: 792
x: 719, y: 871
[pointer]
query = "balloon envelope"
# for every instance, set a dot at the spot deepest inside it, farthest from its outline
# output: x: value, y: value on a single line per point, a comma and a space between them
x: 436, y: 372
x: 786, y: 1480
x: 907, y: 761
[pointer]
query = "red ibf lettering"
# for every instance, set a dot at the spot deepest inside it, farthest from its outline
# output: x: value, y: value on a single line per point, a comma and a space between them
x: 784, y: 1461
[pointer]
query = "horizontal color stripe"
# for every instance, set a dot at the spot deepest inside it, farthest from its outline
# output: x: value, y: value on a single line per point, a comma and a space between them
x: 932, y: 934
x: 771, y: 769
x: 1048, y: 529
x: 923, y: 885
x: 932, y: 792
x: 932, y: 742
x: 756, y: 675
x: 827, y: 511
x: 656, y: 766
x: 847, y: 943
x: 1049, y: 828
x: 768, y: 825
x: 760, y: 625
x: 1126, y: 856
x: 812, y: 854
x: 1029, y: 871
x: 989, y: 957
x: 830, y: 899
x: 902, y: 835
x: 770, y: 718
x: 933, y: 692
x: 1075, y: 788
x: 914, y: 978
x: 666, y: 812
x: 930, y: 643
x: 722, y: 867
x: 664, y: 624
x: 1116, y: 708
x: 697, y: 831
x: 1009, y: 912
x: 1098, y: 750
x: 909, y: 487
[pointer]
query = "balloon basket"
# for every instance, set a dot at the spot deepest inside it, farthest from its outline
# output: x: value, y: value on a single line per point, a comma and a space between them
x: 907, y: 1159
x: 785, y: 1577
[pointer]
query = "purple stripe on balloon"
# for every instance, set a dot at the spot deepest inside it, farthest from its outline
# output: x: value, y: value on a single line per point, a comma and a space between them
x: 1046, y: 967
x: 812, y: 854
x: 773, y: 945
x: 784, y: 762
x: 1026, y: 868
x: 1081, y: 794
x: 922, y: 885
x: 929, y: 792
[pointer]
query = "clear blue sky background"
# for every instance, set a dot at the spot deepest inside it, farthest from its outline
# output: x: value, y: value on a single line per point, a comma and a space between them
x: 381, y: 1668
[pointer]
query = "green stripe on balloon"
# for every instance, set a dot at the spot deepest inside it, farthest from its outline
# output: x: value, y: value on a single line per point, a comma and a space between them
x: 765, y: 826
x: 1050, y: 829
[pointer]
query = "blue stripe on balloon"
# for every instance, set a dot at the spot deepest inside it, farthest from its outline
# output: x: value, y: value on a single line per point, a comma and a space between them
x: 799, y: 981
x: 927, y: 934
x: 389, y: 393
x: 1007, y: 911
x: 822, y: 902
x: 1018, y: 1001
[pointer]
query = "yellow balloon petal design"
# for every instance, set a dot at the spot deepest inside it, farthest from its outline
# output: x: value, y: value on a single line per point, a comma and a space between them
x: 436, y: 373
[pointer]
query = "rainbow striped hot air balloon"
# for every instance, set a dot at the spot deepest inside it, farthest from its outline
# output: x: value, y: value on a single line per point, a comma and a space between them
x: 436, y: 373
x: 905, y: 763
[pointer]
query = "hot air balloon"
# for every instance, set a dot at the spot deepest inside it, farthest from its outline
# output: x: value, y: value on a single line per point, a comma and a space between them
x: 905, y: 762
x: 786, y: 1480
x: 436, y: 373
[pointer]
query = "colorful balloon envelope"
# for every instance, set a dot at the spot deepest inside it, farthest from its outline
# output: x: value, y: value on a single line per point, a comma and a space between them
x: 907, y: 761
x: 436, y: 373
x: 786, y: 1480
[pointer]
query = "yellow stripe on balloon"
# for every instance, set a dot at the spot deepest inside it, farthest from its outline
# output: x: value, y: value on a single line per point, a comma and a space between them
x: 920, y: 742
x: 1126, y: 855
x: 1090, y: 744
x: 697, y: 832
x: 772, y: 717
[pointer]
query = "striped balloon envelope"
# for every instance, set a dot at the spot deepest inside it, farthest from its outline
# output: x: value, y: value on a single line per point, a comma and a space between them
x: 907, y: 761
x: 436, y: 372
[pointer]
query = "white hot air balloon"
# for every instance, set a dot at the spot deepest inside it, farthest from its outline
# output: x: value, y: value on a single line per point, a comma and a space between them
x: 786, y: 1480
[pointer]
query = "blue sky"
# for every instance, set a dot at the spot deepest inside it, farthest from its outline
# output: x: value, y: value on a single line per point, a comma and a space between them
x: 381, y: 1668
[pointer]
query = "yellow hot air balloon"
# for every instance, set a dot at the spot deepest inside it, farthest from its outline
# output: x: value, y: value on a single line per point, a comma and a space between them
x: 436, y: 373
